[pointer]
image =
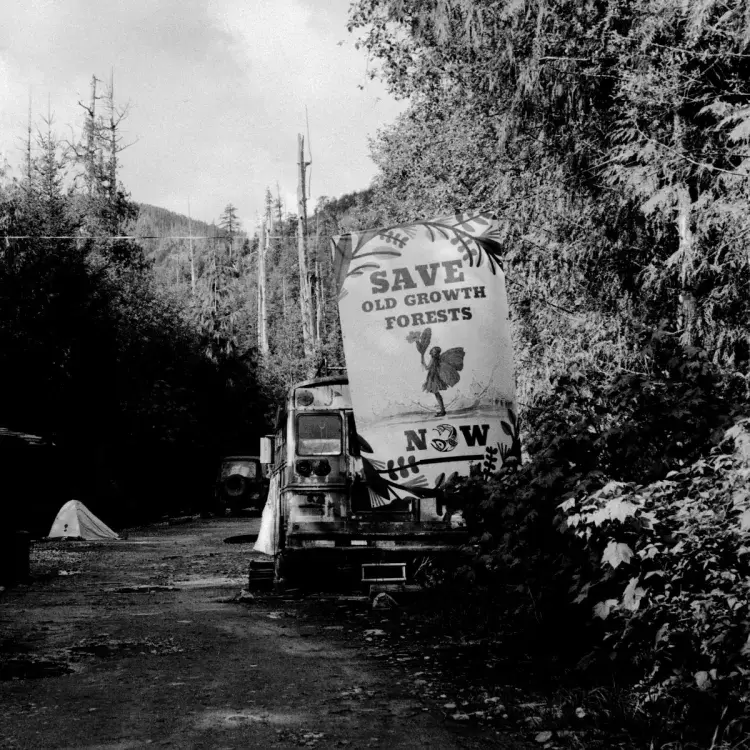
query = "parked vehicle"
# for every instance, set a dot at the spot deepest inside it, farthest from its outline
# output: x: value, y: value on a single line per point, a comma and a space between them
x: 241, y: 484
x: 31, y: 488
x: 329, y: 520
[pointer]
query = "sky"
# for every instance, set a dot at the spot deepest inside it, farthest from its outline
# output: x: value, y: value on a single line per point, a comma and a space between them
x: 218, y: 91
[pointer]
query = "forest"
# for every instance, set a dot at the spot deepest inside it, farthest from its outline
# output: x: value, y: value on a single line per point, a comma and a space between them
x: 612, y: 141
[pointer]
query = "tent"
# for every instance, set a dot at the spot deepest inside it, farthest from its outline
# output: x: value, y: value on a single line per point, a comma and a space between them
x: 75, y: 521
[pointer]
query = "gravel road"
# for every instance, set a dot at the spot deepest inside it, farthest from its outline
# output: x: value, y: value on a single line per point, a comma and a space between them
x: 142, y: 643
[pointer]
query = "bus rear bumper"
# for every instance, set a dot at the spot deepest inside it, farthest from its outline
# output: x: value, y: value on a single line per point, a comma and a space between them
x: 319, y: 562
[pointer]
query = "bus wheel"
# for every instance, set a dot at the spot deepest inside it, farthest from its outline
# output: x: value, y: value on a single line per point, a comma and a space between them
x: 284, y: 573
x: 290, y: 574
x: 279, y: 582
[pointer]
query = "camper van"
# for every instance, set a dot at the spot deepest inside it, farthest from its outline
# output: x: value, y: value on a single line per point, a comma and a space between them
x: 330, y: 522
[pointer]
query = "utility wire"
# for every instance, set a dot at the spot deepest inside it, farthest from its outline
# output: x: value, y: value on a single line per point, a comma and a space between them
x: 115, y: 237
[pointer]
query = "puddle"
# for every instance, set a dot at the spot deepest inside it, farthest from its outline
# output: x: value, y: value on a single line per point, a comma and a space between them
x: 241, y: 539
x: 209, y: 583
x: 104, y: 650
x: 228, y: 718
x: 109, y: 648
x: 32, y: 669
x: 118, y: 745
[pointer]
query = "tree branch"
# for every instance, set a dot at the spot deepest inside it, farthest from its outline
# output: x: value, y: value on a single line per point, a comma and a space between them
x: 702, y: 165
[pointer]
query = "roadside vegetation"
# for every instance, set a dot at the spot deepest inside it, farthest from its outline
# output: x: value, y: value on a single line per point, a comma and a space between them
x: 135, y: 393
x: 612, y: 141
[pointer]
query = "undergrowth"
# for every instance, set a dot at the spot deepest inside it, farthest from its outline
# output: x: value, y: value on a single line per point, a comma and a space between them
x: 619, y: 553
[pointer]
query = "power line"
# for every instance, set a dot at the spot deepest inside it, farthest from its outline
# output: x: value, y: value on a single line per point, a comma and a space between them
x: 115, y: 237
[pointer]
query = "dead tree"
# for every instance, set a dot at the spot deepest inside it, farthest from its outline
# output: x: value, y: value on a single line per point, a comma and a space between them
x: 192, y: 251
x: 305, y: 277
x: 263, y: 245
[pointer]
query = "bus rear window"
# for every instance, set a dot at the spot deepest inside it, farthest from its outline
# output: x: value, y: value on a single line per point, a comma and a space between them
x: 247, y: 469
x: 318, y: 435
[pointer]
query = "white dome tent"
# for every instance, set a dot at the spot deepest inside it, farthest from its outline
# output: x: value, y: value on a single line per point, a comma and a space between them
x: 75, y: 521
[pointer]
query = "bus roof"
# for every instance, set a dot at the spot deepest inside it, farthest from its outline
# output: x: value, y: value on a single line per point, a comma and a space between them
x: 328, y: 380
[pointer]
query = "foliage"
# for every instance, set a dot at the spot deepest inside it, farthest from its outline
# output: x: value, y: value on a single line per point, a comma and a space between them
x: 139, y: 391
x: 229, y: 222
x: 609, y: 139
x: 570, y: 527
x: 671, y: 584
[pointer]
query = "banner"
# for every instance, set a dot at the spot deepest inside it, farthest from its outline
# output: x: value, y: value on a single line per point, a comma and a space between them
x: 424, y: 316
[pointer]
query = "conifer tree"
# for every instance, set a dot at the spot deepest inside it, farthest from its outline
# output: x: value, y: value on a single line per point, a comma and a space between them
x: 230, y: 225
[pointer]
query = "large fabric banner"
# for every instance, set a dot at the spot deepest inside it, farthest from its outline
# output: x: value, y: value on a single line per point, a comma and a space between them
x: 268, y: 534
x: 424, y: 316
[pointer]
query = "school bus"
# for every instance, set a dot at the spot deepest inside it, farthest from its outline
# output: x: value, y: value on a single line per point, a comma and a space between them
x: 329, y: 521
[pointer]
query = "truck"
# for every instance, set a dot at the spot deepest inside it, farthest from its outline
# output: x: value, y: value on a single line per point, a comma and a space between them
x: 331, y: 525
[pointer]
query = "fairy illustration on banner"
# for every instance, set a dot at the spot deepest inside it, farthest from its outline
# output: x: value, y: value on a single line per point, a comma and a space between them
x: 443, y: 369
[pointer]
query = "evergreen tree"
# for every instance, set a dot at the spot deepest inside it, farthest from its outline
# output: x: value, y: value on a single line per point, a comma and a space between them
x: 230, y: 225
x: 610, y: 138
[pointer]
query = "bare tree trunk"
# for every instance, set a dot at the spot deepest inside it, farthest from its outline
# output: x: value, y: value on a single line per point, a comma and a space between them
x: 112, y: 153
x: 265, y: 239
x: 279, y: 207
x: 29, y: 170
x: 91, y: 140
x: 318, y: 307
x: 321, y: 298
x: 192, y: 251
x: 688, y: 311
x: 305, y: 282
x: 216, y: 278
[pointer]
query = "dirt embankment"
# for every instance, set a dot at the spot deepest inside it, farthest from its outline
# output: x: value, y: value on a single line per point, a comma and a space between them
x: 142, y: 642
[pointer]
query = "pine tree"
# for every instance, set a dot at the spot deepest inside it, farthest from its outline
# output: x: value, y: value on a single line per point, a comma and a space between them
x: 230, y: 225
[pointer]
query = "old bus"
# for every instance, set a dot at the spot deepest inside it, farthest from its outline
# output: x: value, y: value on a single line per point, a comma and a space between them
x: 328, y: 523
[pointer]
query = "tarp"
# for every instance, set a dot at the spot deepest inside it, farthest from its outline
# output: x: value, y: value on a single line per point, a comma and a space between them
x: 268, y: 534
x: 424, y: 316
x: 75, y: 521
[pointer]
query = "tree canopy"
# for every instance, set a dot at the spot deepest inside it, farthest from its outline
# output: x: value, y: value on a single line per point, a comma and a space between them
x: 611, y: 138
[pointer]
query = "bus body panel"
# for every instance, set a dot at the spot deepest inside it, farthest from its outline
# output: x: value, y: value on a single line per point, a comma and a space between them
x: 324, y: 514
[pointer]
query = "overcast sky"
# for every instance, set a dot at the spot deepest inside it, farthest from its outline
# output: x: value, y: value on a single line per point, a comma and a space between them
x: 217, y: 89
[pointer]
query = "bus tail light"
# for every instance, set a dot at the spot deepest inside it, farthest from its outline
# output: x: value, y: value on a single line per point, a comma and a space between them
x: 322, y: 467
x: 304, y: 468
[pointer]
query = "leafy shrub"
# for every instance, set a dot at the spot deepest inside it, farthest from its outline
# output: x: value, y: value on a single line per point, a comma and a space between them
x: 605, y: 547
x: 673, y: 585
x: 586, y: 431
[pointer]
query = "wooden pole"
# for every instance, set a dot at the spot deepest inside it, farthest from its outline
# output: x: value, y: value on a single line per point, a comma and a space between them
x: 305, y: 282
x: 279, y: 209
x: 91, y: 140
x: 319, y: 322
x: 216, y: 271
x: 263, y: 244
x: 113, y: 153
x: 192, y: 250
x: 29, y: 170
x: 688, y: 304
x: 321, y: 287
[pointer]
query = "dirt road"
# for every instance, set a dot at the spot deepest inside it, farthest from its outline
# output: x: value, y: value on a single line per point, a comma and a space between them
x: 139, y: 643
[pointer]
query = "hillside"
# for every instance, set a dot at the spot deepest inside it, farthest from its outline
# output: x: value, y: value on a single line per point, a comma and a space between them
x: 154, y: 221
